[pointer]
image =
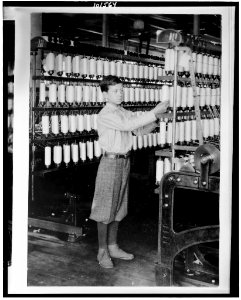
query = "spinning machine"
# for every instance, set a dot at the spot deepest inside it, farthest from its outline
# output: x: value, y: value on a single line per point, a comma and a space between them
x: 204, y: 178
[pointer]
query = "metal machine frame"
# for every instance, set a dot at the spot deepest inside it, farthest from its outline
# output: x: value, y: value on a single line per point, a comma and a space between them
x: 170, y: 243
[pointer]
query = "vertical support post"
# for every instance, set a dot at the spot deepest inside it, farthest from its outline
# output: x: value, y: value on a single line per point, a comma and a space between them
x: 196, y: 24
x: 174, y: 106
x: 105, y: 31
x: 32, y: 121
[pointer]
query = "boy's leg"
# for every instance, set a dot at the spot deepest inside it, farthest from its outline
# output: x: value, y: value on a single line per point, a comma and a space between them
x: 113, y: 247
x: 103, y: 254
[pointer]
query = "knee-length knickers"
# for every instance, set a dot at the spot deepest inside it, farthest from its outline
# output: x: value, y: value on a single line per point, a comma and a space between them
x: 111, y: 190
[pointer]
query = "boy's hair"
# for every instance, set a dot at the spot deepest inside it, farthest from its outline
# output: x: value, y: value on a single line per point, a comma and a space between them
x: 107, y: 81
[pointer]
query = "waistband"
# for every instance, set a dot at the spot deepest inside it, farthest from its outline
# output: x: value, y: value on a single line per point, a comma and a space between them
x: 116, y: 155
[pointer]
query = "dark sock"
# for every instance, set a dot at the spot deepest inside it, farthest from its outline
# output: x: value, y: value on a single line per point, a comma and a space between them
x: 112, y: 233
x: 102, y: 235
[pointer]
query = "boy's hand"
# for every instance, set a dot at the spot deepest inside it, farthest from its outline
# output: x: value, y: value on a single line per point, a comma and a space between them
x: 160, y: 108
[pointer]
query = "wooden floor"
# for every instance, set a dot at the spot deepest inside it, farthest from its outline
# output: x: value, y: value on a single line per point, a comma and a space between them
x: 55, y: 262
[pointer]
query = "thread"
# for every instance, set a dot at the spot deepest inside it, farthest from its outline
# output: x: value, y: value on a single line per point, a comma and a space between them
x: 210, y: 65
x: 74, y: 153
x: 57, y: 155
x: 193, y: 130
x: 119, y: 68
x: 141, y: 71
x: 165, y: 93
x: 55, y: 124
x: 93, y: 94
x: 80, y: 122
x: 45, y: 124
x: 216, y: 126
x: 131, y: 94
x: 84, y: 66
x: 151, y: 72
x: 199, y: 65
x: 130, y: 71
x: 154, y: 139
x: 78, y: 93
x: 42, y: 93
x: 76, y: 65
x: 82, y: 147
x: 169, y: 132
x: 149, y: 136
x: 159, y: 170
x: 59, y: 64
x: 145, y: 141
x: 167, y: 165
x: 202, y: 96
x: 86, y: 93
x: 52, y: 93
x: 112, y: 68
x: 181, y: 132
x: 136, y: 71
x: 64, y: 124
x: 190, y: 100
x: 124, y: 70
x: 97, y: 149
x: 47, y: 156
x: 187, y: 131
x: 50, y: 62
x: 72, y: 123
x: 205, y: 64
x: 140, y: 141
x: 70, y: 94
x: 134, y: 142
x: 66, y: 148
x: 68, y: 65
x: 90, y: 150
x: 161, y: 137
x: 93, y: 67
x: 208, y: 96
x: 184, y: 97
x: 61, y: 93
x: 100, y: 67
x: 147, y: 94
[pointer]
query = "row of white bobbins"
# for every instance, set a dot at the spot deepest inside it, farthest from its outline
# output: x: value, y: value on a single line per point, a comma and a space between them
x: 61, y: 93
x: 140, y: 94
x: 93, y: 67
x: 202, y: 63
x: 208, y: 96
x: 164, y: 166
x: 74, y: 152
x: 68, y: 123
x: 210, y: 127
x: 186, y: 129
x: 144, y: 141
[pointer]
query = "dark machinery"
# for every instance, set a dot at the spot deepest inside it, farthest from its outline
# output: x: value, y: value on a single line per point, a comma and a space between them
x: 172, y: 243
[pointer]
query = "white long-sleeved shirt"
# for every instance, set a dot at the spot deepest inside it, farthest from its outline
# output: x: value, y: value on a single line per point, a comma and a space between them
x: 116, y: 124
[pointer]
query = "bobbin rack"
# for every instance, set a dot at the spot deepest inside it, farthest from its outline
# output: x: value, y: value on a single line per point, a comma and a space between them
x: 195, y: 101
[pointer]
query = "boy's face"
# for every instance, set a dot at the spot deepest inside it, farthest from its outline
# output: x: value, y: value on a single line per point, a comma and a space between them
x: 114, y: 94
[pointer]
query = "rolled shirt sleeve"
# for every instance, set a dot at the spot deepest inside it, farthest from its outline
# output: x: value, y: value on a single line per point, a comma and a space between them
x: 145, y: 129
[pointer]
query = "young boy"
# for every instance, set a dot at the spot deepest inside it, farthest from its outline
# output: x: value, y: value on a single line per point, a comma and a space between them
x: 115, y: 126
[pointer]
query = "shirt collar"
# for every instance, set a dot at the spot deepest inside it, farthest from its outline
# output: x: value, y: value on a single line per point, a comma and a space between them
x: 113, y: 105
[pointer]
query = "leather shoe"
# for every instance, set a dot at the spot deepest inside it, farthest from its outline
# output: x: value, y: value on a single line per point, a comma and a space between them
x: 104, y: 259
x: 116, y: 252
